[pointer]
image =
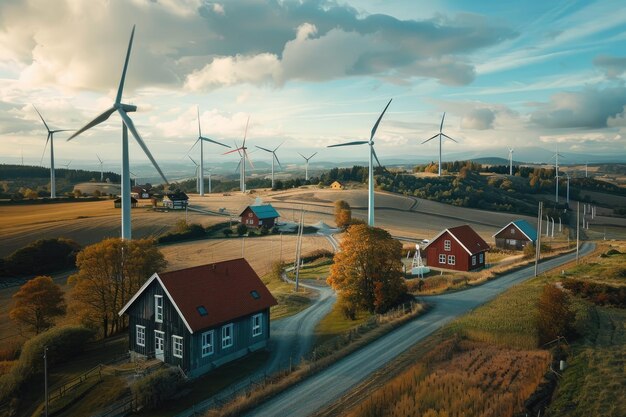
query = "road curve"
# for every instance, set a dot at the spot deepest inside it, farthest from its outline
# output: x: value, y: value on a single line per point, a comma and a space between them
x: 328, y: 385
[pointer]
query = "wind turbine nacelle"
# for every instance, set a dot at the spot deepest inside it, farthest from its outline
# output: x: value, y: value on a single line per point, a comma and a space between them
x: 128, y: 107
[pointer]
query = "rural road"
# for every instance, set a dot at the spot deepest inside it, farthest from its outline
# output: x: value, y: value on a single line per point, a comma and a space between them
x: 330, y: 384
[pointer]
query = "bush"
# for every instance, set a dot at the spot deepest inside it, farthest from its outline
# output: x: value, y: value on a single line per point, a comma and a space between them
x: 191, y: 231
x: 264, y: 231
x: 158, y: 387
x: 317, y: 254
x: 555, y: 318
x: 241, y: 229
x: 41, y: 257
x: 227, y: 232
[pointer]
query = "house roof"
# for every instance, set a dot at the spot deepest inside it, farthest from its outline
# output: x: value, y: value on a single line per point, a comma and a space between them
x: 227, y: 290
x: 466, y: 237
x: 178, y: 195
x: 523, y: 227
x: 265, y: 211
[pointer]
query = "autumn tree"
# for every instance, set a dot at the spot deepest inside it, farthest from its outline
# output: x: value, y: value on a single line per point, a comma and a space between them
x: 109, y: 274
x: 367, y: 272
x: 555, y: 318
x: 343, y: 213
x: 37, y: 303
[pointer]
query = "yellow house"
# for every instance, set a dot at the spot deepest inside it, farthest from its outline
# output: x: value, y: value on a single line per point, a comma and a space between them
x: 336, y: 186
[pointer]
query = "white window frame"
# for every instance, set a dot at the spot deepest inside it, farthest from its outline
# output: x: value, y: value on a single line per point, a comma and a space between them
x: 177, y: 340
x: 207, y: 343
x: 158, y: 308
x: 474, y: 260
x: 451, y: 260
x: 227, y: 340
x: 140, y: 335
x: 512, y: 230
x: 257, y: 325
x: 481, y: 257
x: 442, y: 258
x: 447, y: 245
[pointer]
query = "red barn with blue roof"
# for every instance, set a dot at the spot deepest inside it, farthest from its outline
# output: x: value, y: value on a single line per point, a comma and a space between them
x: 516, y: 235
x: 259, y: 216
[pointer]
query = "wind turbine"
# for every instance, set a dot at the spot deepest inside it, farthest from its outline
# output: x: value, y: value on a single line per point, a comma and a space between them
x: 67, y: 166
x: 370, y: 193
x: 243, y: 153
x: 556, y: 165
x: 209, y: 170
x: 510, y: 161
x: 274, y: 157
x: 50, y: 138
x: 197, y: 173
x: 127, y: 124
x: 202, y: 139
x: 306, y: 166
x: 440, y: 134
x: 101, y: 169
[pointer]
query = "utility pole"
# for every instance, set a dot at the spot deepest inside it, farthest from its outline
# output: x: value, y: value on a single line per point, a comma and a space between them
x: 538, y: 241
x: 560, y: 225
x: 552, y: 234
x: 45, y: 376
x: 547, y: 226
x: 577, y: 229
x: 299, y: 249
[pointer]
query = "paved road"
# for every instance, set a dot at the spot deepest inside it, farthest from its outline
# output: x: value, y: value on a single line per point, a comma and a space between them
x: 327, y: 386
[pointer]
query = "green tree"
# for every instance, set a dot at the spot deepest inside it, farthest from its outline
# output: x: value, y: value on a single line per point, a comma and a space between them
x: 109, y: 274
x: 242, y: 229
x: 37, y: 303
x: 367, y: 272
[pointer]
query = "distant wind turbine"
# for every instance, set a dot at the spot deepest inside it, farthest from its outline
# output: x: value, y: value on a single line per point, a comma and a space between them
x: 370, y: 194
x: 306, y: 166
x: 440, y: 135
x: 127, y: 124
x: 243, y: 152
x: 53, y: 188
x: 101, y: 169
x: 197, y: 174
x: 556, y: 175
x: 511, y: 161
x: 202, y: 139
x: 274, y: 158
x: 67, y: 166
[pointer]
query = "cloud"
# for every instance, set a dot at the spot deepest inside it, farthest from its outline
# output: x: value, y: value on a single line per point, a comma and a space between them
x: 590, y: 108
x: 613, y: 66
x: 478, y: 119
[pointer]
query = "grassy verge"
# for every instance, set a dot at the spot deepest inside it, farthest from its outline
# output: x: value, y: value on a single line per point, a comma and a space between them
x: 317, y: 270
x: 289, y: 302
x: 335, y: 323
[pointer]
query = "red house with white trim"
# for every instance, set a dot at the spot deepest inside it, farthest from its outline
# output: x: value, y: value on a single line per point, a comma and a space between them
x: 459, y: 248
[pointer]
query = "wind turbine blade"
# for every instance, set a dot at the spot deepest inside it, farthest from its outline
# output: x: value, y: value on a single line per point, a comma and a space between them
x: 44, y: 149
x: 192, y: 160
x: 98, y: 156
x: 131, y: 126
x: 238, y: 166
x: 192, y: 146
x: 234, y: 150
x: 453, y: 140
x: 442, y: 119
x: 302, y: 156
x: 312, y: 156
x: 248, y: 158
x: 427, y: 140
x: 360, y: 142
x: 199, y: 130
x: 378, y: 121
x: 276, y: 148
x: 375, y: 156
x: 41, y: 117
x: 214, y: 141
x: 61, y: 130
x: 263, y: 149
x: 118, y: 99
x: 99, y: 119
x: 277, y: 160
x: 245, y: 134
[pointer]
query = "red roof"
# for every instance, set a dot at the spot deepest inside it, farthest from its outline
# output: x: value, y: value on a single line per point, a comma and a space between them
x: 227, y: 290
x: 469, y: 239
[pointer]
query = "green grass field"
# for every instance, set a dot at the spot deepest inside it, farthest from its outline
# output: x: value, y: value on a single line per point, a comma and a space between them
x: 289, y: 302
x: 335, y: 323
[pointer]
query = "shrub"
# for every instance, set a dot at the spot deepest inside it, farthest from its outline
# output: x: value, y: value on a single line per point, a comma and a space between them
x: 158, y: 387
x: 317, y: 254
x: 241, y: 229
x: 184, y: 232
x: 555, y: 317
x: 264, y: 231
x: 42, y: 257
x: 227, y: 232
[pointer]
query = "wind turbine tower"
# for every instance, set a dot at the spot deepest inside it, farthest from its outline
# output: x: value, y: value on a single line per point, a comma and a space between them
x: 243, y: 152
x: 556, y: 175
x: 53, y: 187
x: 510, y: 161
x: 127, y: 124
x: 440, y: 135
x: 197, y: 173
x: 274, y: 157
x: 370, y: 193
x: 101, y: 169
x: 306, y: 165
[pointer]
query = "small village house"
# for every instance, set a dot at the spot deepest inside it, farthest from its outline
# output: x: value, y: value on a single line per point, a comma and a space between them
x: 459, y: 248
x: 515, y: 235
x: 336, y: 186
x: 200, y: 318
x: 117, y: 203
x: 259, y: 216
x: 175, y: 201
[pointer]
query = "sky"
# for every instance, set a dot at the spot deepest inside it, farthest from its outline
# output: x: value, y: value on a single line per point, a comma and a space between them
x: 312, y: 73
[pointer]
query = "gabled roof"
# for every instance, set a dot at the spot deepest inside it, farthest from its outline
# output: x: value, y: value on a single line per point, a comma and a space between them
x: 227, y: 290
x: 523, y: 227
x: 265, y: 211
x: 178, y: 195
x: 466, y: 237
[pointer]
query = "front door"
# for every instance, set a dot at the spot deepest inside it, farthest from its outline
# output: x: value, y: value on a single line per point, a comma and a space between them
x: 159, y: 347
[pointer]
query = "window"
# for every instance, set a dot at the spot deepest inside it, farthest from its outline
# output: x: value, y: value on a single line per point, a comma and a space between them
x: 447, y: 245
x: 227, y: 336
x: 141, y: 335
x: 177, y: 343
x: 158, y: 308
x: 451, y: 260
x: 481, y: 258
x: 442, y: 258
x: 202, y: 310
x: 207, y: 343
x: 249, y: 214
x: 474, y: 260
x: 512, y: 231
x: 255, y: 294
x: 257, y: 321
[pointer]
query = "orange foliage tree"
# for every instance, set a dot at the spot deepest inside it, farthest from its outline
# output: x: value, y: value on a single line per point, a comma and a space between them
x: 555, y: 318
x: 37, y: 303
x: 367, y: 272
x: 343, y: 213
x: 109, y: 274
